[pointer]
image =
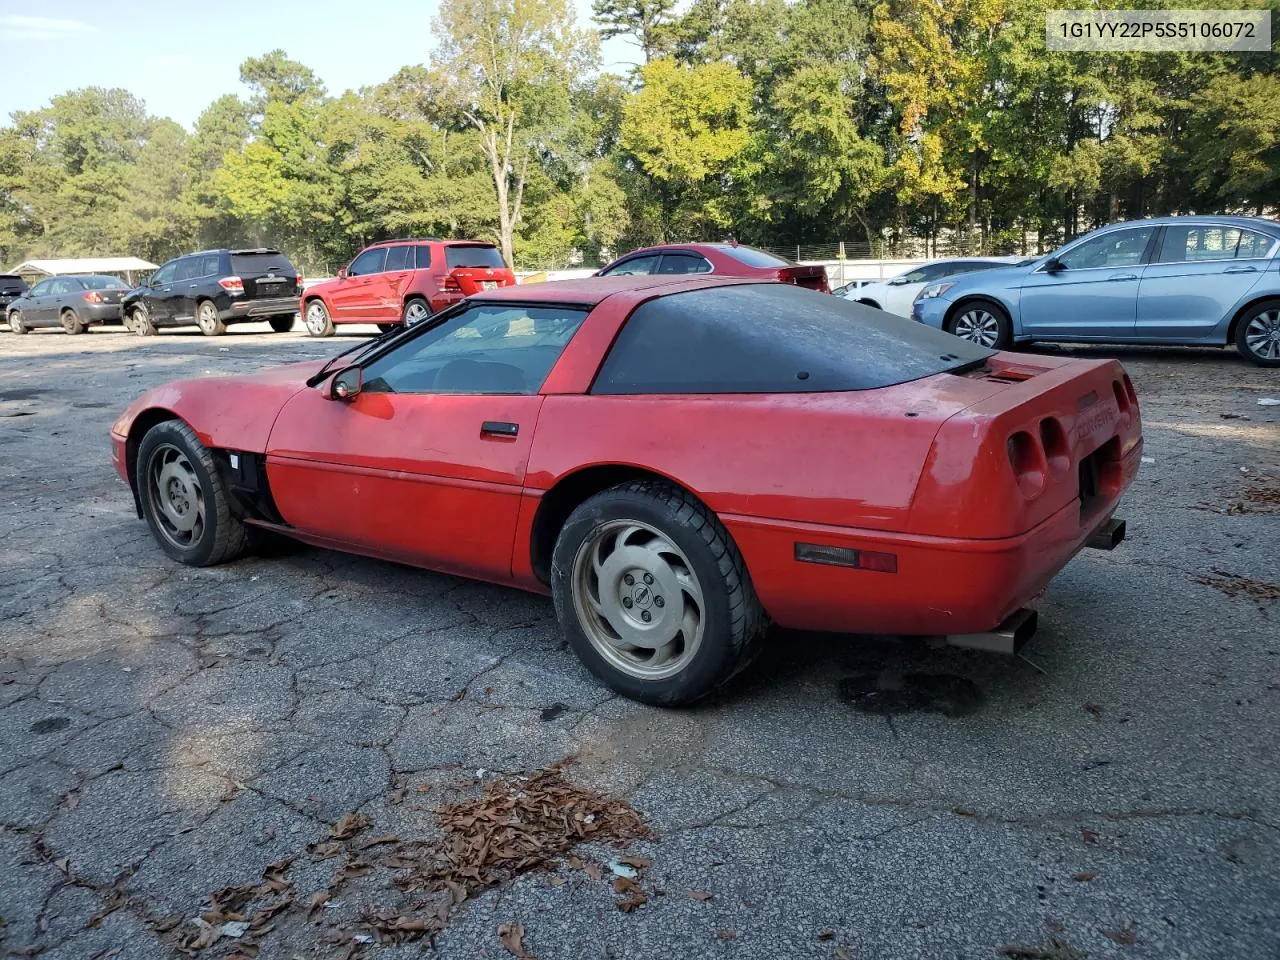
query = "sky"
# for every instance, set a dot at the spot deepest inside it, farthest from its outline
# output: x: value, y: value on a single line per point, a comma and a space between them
x: 180, y: 57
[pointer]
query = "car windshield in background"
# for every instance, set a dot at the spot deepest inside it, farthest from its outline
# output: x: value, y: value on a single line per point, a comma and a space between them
x: 772, y: 338
x: 104, y: 283
x: 753, y: 257
x: 456, y: 256
x: 255, y: 264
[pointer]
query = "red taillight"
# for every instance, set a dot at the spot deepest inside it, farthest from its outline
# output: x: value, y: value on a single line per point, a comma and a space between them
x: 93, y: 296
x: 232, y: 284
x: 298, y: 280
x: 451, y: 284
x: 1129, y: 391
x: 1026, y: 456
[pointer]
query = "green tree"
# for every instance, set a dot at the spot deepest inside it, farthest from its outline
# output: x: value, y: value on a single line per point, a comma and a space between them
x: 650, y: 23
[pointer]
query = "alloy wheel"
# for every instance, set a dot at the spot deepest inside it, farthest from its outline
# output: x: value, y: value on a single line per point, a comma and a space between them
x: 1263, y: 335
x: 177, y: 498
x: 978, y: 326
x: 415, y: 311
x: 317, y: 319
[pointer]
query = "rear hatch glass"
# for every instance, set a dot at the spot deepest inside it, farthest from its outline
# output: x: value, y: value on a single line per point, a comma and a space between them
x: 12, y: 286
x: 477, y: 267
x: 266, y: 274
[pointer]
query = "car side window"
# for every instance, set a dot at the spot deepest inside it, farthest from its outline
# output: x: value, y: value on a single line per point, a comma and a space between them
x: 398, y: 258
x: 487, y: 349
x: 1200, y: 242
x: 210, y: 266
x: 41, y: 289
x: 1121, y: 248
x: 368, y: 262
x: 930, y: 271
x: 164, y: 274
x: 683, y: 263
x: 422, y: 257
x: 187, y: 269
x: 59, y: 287
x: 635, y: 267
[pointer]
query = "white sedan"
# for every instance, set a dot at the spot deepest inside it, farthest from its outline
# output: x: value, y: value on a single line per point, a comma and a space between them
x: 896, y: 294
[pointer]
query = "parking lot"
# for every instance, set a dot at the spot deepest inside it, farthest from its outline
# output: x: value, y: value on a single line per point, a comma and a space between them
x: 167, y: 732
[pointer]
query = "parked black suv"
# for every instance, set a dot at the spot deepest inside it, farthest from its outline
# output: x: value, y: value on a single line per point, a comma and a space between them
x: 12, y: 287
x: 213, y: 288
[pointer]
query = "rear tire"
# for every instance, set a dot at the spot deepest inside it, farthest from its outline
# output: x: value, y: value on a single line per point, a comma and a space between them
x: 983, y: 322
x: 317, y: 319
x: 388, y: 327
x: 183, y: 499
x: 140, y: 321
x: 208, y: 321
x: 645, y: 561
x: 283, y: 324
x: 415, y: 310
x: 15, y: 323
x: 70, y: 322
x: 1258, y: 334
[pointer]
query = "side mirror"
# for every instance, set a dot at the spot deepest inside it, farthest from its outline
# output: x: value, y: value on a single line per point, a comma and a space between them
x: 342, y: 274
x: 1054, y: 265
x: 346, y: 384
x: 898, y: 282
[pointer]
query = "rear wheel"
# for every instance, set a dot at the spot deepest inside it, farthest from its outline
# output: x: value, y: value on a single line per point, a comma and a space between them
x: 983, y: 322
x: 70, y: 322
x: 283, y: 324
x: 388, y: 327
x: 653, y: 594
x: 16, y: 323
x: 208, y: 321
x: 415, y: 310
x: 183, y: 498
x: 1258, y: 334
x: 140, y: 321
x: 317, y: 319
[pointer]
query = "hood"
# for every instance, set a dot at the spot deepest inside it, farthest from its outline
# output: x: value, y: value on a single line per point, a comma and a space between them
x: 995, y: 277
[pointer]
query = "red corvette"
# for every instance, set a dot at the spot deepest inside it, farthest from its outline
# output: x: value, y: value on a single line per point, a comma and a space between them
x: 678, y: 461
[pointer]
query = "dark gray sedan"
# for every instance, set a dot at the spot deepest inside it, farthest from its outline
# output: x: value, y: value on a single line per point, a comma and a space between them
x: 76, y: 302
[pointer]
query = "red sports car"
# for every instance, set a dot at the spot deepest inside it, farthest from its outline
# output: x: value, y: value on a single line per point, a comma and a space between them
x: 719, y: 259
x: 677, y: 461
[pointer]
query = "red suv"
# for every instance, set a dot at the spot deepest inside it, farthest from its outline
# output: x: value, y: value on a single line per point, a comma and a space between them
x: 403, y: 281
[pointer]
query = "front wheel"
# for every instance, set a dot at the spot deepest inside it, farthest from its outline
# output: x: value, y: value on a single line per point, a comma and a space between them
x: 653, y: 595
x: 983, y: 322
x: 140, y: 321
x: 183, y: 499
x: 16, y: 324
x: 317, y: 319
x: 208, y: 321
x: 70, y: 322
x: 1258, y: 334
x: 283, y: 324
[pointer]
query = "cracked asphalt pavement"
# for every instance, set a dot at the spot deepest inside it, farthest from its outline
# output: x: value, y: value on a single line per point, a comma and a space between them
x: 166, y: 731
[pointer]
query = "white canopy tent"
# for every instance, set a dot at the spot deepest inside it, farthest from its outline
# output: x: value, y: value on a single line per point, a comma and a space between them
x: 52, y: 268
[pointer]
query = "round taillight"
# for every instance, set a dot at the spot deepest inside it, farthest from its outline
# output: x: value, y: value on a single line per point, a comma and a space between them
x: 1030, y: 468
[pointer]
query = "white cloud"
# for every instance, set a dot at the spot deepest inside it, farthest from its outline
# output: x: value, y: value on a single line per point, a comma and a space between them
x: 16, y: 26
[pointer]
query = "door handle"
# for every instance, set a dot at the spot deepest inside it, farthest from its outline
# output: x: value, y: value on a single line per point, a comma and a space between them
x: 499, y: 428
x: 1123, y: 276
x: 193, y: 285
x: 1241, y: 270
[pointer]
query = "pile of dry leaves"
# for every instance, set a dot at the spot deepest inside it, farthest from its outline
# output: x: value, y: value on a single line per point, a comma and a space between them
x: 1234, y: 585
x: 227, y: 917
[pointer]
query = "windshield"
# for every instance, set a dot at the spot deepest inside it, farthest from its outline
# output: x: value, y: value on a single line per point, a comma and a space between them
x: 473, y: 256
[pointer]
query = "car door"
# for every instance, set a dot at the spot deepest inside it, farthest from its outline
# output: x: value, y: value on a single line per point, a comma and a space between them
x: 1092, y: 292
x: 426, y: 463
x: 160, y: 293
x: 357, y: 292
x: 1198, y: 278
x: 397, y: 274
x: 185, y: 287
x: 39, y: 299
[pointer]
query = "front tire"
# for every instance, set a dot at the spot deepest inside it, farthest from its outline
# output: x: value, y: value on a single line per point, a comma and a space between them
x: 140, y: 321
x: 653, y: 595
x: 16, y: 324
x: 317, y: 319
x: 208, y: 321
x: 983, y: 322
x: 183, y: 498
x: 70, y: 322
x: 283, y: 324
x: 1258, y: 334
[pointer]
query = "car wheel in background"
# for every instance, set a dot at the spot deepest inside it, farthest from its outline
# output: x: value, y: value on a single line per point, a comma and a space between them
x: 983, y: 322
x: 415, y: 310
x: 208, y: 321
x: 15, y: 323
x: 1258, y: 334
x: 183, y: 499
x: 140, y: 321
x: 283, y: 324
x: 653, y: 595
x: 70, y: 322
x: 317, y: 319
x: 868, y: 303
x: 388, y: 327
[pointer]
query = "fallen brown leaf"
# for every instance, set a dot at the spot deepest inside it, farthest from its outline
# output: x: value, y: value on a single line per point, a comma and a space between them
x: 634, y: 899
x: 592, y: 870
x: 1124, y: 936
x: 639, y: 862
x: 726, y: 935
x: 348, y: 825
x: 1089, y: 836
x: 554, y: 881
x: 323, y: 851
x: 844, y: 953
x: 698, y: 895
x: 1084, y: 876
x: 826, y: 935
x: 624, y: 884
x: 70, y: 801
x: 512, y: 937
x: 1056, y: 949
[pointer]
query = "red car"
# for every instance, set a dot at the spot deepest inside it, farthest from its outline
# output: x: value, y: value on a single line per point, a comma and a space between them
x: 678, y: 461
x: 719, y: 259
x: 401, y: 282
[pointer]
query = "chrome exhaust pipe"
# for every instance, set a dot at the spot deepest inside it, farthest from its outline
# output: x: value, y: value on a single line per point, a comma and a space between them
x: 1107, y: 536
x: 1009, y: 637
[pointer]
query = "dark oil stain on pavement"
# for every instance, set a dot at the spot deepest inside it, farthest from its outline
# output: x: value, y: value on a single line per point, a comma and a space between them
x: 50, y: 724
x: 20, y: 393
x: 889, y: 692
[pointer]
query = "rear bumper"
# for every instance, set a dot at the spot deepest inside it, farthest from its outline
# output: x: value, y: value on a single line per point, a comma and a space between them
x: 273, y: 307
x: 942, y: 585
x: 99, y: 313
